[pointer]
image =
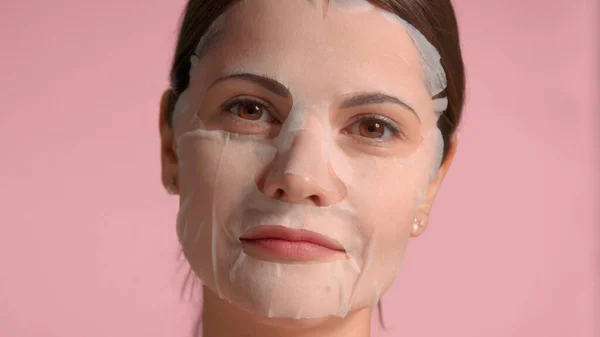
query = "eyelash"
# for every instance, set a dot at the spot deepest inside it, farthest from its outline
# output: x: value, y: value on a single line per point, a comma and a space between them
x: 387, y: 122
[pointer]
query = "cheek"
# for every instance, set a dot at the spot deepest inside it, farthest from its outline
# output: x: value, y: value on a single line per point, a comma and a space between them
x: 197, y: 172
x: 213, y: 182
x: 202, y: 164
x: 387, y: 196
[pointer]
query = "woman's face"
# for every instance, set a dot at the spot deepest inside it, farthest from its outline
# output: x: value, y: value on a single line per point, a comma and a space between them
x: 303, y: 122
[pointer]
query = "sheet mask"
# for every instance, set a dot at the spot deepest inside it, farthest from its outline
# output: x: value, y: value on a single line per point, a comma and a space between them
x: 369, y: 191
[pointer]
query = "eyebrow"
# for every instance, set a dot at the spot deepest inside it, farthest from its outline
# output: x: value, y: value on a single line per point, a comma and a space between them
x: 265, y: 82
x: 367, y: 98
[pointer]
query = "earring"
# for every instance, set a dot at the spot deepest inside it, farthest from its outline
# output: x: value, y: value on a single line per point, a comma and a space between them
x: 418, y: 224
x: 172, y: 187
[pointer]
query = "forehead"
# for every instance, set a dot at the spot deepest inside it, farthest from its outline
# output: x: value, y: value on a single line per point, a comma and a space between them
x: 351, y: 43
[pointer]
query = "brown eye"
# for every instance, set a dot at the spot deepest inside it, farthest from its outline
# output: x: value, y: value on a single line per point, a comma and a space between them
x: 374, y: 127
x: 249, y: 111
x: 371, y: 129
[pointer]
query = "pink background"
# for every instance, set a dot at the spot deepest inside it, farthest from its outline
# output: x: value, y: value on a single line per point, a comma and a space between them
x: 87, y: 237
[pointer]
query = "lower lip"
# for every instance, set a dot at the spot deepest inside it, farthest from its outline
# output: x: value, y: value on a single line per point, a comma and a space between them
x: 276, y: 249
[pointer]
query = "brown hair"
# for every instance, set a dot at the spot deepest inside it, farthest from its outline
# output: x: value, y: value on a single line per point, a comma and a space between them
x: 435, y: 19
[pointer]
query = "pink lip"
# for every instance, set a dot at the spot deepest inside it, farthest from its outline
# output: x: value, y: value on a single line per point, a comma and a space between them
x: 280, y: 242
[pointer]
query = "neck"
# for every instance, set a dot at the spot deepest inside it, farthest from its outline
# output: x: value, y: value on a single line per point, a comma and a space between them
x: 223, y: 319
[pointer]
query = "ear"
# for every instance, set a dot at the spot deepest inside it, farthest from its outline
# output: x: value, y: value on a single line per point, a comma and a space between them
x: 422, y: 218
x: 168, y: 148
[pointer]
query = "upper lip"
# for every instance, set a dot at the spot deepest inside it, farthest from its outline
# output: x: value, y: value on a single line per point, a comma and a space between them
x: 289, y: 234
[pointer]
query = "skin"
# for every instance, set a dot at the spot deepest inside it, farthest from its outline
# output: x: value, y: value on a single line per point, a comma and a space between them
x: 220, y: 317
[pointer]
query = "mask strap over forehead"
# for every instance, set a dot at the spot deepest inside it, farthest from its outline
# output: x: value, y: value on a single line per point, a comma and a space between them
x: 431, y: 61
x: 431, y: 65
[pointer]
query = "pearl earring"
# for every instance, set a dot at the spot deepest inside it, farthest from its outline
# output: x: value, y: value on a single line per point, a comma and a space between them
x: 417, y: 224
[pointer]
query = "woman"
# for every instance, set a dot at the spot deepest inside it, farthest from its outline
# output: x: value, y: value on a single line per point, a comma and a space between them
x: 307, y: 141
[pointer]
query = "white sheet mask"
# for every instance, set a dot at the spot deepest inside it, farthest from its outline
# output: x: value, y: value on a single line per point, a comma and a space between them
x: 224, y: 173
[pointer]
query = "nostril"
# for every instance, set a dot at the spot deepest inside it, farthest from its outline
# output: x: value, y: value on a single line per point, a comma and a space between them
x: 279, y: 193
x: 315, y: 199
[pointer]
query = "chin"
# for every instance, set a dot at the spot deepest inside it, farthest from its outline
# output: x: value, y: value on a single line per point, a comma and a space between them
x: 304, y: 323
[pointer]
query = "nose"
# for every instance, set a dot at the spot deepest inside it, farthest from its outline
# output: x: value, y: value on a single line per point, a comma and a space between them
x: 303, y: 174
